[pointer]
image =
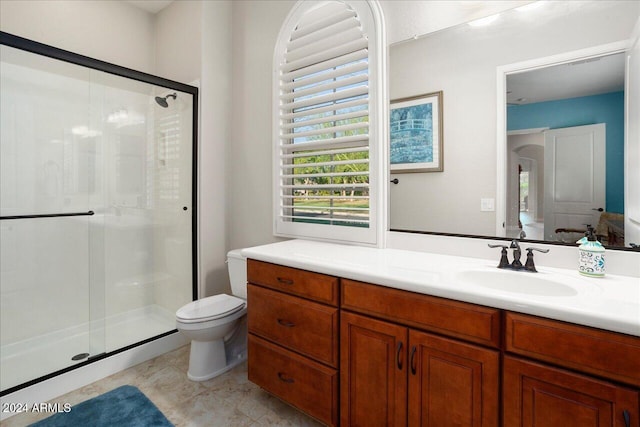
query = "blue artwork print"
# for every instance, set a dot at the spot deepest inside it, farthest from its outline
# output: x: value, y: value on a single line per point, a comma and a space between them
x: 412, y: 134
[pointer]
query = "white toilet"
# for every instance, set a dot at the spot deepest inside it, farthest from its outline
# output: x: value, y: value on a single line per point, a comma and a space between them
x: 217, y: 325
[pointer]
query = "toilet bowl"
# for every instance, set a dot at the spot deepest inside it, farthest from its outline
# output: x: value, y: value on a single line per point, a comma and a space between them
x: 217, y: 325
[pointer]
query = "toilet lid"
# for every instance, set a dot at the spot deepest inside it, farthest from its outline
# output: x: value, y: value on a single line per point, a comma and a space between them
x: 210, y: 308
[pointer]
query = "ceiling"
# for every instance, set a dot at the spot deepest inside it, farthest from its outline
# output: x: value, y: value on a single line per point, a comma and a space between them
x: 408, y: 19
x: 580, y: 78
x: 151, y: 6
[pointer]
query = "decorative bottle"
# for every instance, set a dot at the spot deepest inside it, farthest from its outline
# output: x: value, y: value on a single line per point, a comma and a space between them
x: 590, y: 255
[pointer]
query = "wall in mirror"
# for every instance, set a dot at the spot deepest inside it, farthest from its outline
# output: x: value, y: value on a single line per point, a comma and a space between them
x: 463, y: 62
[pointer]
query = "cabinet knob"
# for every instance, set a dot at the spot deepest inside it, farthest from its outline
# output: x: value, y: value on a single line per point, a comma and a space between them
x: 398, y: 359
x: 284, y: 281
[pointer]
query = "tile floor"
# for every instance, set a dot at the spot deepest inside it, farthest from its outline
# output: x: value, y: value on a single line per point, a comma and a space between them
x: 229, y: 400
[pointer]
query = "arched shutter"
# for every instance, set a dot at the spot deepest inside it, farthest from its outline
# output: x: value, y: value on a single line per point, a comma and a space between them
x: 323, y: 144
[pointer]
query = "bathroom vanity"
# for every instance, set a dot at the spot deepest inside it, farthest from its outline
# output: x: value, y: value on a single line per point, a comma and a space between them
x: 361, y: 336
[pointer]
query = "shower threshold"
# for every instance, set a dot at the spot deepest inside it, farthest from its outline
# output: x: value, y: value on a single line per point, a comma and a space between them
x: 37, y: 357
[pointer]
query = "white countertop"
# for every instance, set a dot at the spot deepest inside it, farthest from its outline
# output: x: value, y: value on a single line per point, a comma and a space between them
x: 611, y: 303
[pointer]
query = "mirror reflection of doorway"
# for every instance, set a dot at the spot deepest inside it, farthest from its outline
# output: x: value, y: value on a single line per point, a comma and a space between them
x: 523, y: 196
x: 531, y: 224
x: 526, y: 183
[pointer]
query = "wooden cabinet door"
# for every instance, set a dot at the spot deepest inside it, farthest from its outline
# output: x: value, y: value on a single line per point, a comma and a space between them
x: 373, y: 372
x: 452, y: 383
x: 538, y: 395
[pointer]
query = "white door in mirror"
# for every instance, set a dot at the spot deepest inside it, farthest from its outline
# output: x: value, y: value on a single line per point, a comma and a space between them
x: 574, y: 178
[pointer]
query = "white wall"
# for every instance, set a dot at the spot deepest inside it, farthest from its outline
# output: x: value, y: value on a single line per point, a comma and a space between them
x: 112, y: 31
x: 178, y: 30
x: 462, y: 63
x: 255, y: 28
x: 215, y: 138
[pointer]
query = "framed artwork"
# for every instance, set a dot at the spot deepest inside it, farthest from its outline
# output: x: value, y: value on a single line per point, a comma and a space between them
x: 416, y: 134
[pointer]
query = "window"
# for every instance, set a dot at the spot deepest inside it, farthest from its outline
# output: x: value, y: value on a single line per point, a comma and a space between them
x: 326, y: 132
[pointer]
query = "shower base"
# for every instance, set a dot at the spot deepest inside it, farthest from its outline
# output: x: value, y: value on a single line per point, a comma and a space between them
x: 42, y: 355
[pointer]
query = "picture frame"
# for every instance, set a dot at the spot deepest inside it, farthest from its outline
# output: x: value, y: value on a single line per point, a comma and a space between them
x: 415, y: 130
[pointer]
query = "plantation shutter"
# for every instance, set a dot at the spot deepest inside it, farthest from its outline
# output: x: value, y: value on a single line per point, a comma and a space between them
x: 322, y: 147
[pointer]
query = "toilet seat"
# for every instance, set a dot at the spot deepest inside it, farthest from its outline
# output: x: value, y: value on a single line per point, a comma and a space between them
x: 210, y: 308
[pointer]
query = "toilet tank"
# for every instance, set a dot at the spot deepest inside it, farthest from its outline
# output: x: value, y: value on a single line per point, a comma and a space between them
x: 237, y: 265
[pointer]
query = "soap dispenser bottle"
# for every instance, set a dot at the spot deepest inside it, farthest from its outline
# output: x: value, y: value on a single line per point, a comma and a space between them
x: 590, y: 255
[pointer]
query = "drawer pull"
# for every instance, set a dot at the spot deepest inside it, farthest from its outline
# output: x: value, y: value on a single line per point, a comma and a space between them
x: 285, y: 379
x: 284, y: 281
x: 286, y: 323
x: 413, y: 359
x: 398, y: 360
x: 627, y: 418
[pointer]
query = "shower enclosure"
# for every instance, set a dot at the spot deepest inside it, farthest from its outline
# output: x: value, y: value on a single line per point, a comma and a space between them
x: 97, y: 207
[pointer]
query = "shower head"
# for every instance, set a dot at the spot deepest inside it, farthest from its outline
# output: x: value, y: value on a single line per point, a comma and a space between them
x: 162, y: 101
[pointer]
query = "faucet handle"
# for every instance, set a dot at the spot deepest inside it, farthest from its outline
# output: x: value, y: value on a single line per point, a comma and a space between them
x: 529, y: 265
x: 544, y: 251
x: 497, y: 246
x: 504, y: 261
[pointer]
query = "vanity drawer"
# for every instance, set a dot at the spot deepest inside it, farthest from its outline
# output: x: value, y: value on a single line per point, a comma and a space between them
x: 307, y: 385
x: 607, y: 354
x: 457, y: 319
x: 303, y: 326
x: 315, y: 286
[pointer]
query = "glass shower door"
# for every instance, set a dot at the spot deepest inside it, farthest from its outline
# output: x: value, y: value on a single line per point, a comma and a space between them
x: 97, y: 199
x: 48, y: 157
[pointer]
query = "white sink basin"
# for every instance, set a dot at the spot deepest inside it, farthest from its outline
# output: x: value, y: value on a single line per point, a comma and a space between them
x: 519, y: 282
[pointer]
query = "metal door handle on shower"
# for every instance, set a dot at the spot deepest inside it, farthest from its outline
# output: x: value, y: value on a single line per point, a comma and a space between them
x: 53, y: 215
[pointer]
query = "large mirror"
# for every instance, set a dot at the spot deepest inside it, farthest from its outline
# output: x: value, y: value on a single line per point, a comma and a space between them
x: 526, y: 95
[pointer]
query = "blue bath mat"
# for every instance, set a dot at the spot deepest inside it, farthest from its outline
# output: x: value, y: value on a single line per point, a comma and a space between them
x: 124, y: 406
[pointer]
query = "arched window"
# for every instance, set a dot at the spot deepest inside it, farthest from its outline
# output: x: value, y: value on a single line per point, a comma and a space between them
x: 328, y: 130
